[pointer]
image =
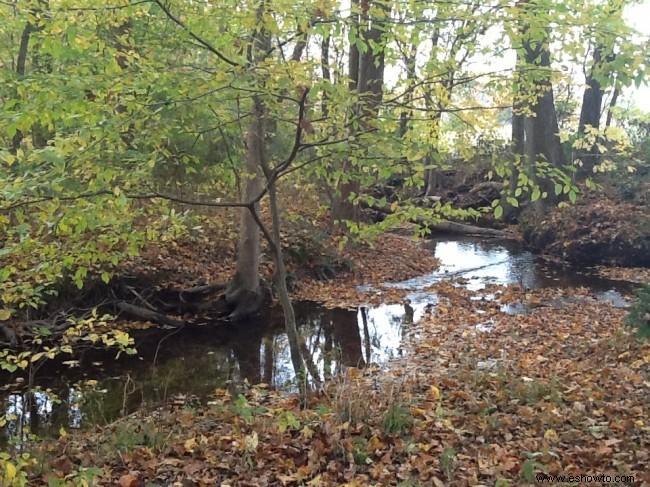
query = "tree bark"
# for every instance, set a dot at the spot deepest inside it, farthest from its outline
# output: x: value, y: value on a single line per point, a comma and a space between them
x: 592, y: 101
x: 327, y: 75
x: 148, y: 315
x: 517, y: 115
x: 541, y: 128
x: 21, y: 66
x: 366, y: 72
x: 541, y: 131
x: 243, y: 292
x: 610, y: 109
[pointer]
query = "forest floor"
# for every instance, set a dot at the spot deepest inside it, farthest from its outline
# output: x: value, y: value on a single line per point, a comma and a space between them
x: 481, y: 397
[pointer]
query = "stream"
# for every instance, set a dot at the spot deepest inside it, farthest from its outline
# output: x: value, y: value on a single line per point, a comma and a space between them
x: 192, y: 363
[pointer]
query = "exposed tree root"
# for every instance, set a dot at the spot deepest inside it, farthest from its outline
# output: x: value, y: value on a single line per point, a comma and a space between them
x: 148, y: 315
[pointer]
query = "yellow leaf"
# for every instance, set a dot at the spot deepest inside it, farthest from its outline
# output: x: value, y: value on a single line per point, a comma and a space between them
x: 5, y: 314
x: 10, y: 473
x: 36, y: 357
x: 190, y: 445
x: 551, y: 435
x: 252, y: 441
x: 434, y: 393
x: 418, y: 412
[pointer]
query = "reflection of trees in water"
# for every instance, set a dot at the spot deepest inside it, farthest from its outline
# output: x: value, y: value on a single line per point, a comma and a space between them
x: 194, y: 362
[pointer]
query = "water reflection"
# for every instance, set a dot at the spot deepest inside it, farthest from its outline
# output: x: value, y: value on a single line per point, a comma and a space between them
x: 197, y: 361
x: 193, y: 362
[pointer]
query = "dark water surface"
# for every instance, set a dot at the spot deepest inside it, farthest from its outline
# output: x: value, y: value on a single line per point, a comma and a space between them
x: 194, y: 362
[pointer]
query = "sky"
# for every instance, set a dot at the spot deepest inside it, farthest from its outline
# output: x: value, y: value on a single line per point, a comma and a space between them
x: 639, y: 17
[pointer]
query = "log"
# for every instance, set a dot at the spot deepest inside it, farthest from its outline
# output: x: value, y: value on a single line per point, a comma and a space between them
x: 447, y: 226
x: 464, y: 229
x: 148, y: 315
x: 487, y: 186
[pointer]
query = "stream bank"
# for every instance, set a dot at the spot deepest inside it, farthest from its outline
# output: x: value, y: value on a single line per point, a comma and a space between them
x: 485, y: 386
x: 193, y: 362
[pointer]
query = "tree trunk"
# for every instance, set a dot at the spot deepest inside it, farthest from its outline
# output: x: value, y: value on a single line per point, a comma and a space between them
x: 592, y: 101
x: 543, y: 133
x: 21, y: 63
x: 612, y: 105
x: 432, y: 173
x: 280, y: 279
x: 244, y: 292
x: 367, y: 78
x: 327, y: 75
x: 517, y: 115
x: 541, y: 130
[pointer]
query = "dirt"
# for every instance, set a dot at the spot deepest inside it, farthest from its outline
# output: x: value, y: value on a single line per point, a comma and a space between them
x: 598, y: 229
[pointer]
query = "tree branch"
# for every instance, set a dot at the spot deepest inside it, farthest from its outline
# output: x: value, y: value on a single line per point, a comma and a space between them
x: 198, y: 39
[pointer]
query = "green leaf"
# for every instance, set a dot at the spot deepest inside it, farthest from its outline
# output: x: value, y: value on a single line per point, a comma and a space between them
x: 528, y: 470
x: 535, y: 195
x: 498, y: 211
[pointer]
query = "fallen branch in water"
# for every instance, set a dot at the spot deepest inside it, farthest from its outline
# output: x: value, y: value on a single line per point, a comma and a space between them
x: 446, y: 226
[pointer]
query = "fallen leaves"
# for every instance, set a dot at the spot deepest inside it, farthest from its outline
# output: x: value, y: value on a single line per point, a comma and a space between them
x: 561, y: 388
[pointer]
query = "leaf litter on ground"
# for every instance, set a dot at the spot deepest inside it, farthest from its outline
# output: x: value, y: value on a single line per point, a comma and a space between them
x: 479, y: 397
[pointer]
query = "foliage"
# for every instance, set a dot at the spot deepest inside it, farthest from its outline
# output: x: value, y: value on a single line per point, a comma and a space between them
x: 118, y: 109
x: 81, y: 331
x: 397, y: 419
x: 13, y: 471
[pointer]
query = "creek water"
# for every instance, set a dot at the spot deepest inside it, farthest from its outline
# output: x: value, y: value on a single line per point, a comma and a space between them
x: 190, y: 363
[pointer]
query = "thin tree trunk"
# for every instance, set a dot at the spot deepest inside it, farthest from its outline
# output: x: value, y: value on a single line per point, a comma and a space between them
x: 327, y: 75
x: 612, y: 104
x: 280, y: 279
x: 21, y: 64
x: 592, y: 101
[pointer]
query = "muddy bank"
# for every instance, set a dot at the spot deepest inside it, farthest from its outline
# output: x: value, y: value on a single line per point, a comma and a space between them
x: 598, y: 229
x: 604, y: 227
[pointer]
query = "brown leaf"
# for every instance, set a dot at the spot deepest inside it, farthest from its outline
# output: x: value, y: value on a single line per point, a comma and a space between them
x: 128, y: 480
x: 306, y: 126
